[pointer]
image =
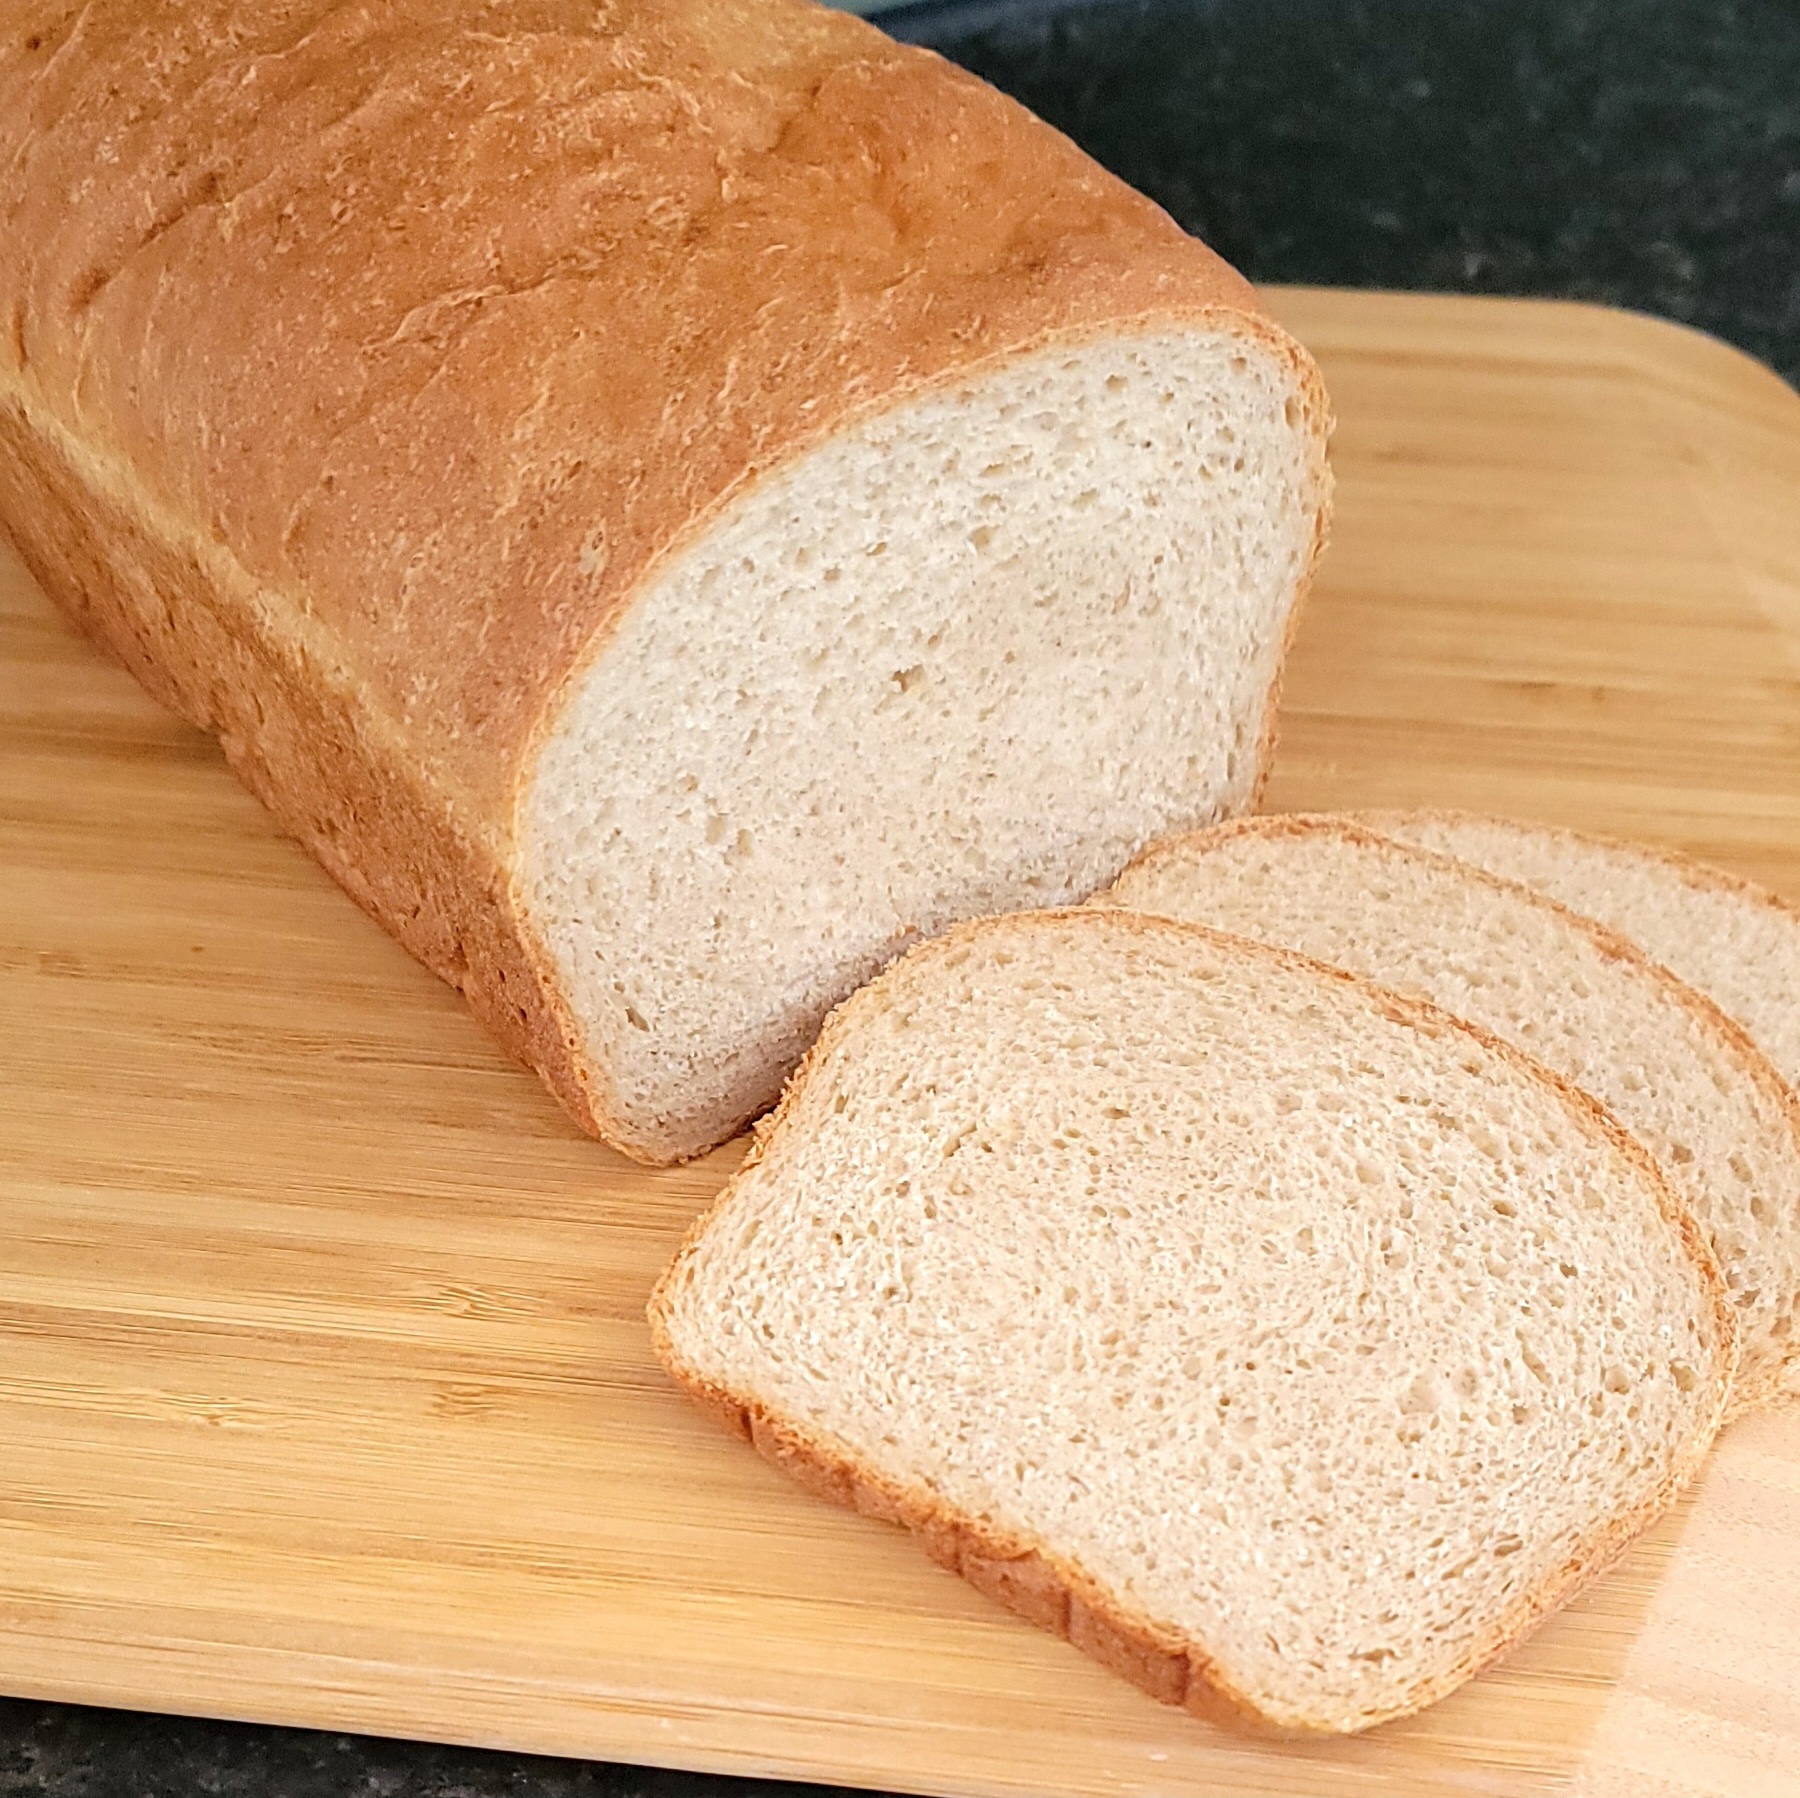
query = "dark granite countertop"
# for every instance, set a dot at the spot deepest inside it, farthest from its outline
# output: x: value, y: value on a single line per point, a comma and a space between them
x: 1643, y: 154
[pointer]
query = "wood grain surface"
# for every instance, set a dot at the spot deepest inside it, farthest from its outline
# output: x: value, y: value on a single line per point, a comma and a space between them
x: 325, y: 1395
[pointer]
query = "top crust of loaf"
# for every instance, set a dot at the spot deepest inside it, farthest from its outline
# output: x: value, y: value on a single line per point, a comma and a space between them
x: 650, y: 250
x: 1029, y: 1575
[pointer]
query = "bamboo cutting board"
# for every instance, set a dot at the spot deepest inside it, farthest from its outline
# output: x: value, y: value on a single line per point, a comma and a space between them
x: 325, y: 1395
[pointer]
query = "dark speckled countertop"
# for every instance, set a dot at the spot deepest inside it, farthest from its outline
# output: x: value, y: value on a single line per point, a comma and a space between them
x: 1644, y: 154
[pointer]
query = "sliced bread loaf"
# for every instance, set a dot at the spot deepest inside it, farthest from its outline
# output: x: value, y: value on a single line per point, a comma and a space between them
x: 667, y: 501
x: 1575, y: 994
x: 1728, y: 937
x: 1285, y: 1344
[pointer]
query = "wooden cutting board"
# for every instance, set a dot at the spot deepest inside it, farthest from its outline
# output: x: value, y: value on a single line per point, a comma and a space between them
x: 325, y: 1396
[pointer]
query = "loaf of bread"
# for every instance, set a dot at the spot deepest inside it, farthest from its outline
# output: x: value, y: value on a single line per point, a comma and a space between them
x: 1582, y: 999
x: 1725, y: 936
x: 668, y: 500
x: 1283, y: 1343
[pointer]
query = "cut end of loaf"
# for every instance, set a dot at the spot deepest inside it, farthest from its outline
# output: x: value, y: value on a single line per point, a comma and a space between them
x: 1289, y: 1349
x: 963, y: 658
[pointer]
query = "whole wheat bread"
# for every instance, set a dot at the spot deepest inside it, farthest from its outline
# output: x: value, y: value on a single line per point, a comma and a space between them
x: 668, y: 501
x: 1725, y: 936
x: 1286, y: 1344
x: 1571, y: 992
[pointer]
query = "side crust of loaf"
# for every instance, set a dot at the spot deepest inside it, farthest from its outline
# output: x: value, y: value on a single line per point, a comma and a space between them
x: 1751, y: 1390
x: 1024, y: 1573
x: 183, y: 617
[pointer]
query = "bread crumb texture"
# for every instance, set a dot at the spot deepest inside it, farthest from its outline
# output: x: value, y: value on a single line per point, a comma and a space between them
x: 966, y: 658
x: 1731, y: 939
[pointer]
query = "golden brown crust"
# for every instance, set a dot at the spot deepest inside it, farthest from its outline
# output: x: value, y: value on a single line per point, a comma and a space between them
x: 402, y: 341
x: 1026, y: 1574
x: 297, y: 742
x: 1755, y: 1387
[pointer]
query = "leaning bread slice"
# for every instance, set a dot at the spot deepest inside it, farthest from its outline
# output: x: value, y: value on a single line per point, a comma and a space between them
x: 1732, y: 939
x: 1578, y: 996
x: 1285, y: 1344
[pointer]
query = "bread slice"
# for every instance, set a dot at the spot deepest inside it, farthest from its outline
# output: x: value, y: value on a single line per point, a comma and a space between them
x: 1727, y: 937
x: 1287, y: 1345
x: 1568, y: 990
x: 668, y: 502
